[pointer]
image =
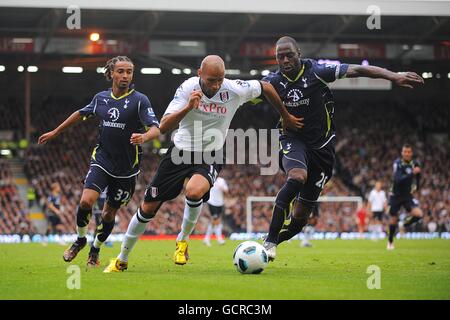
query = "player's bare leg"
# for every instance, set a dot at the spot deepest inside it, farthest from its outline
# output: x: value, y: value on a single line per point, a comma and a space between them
x: 217, y: 226
x: 196, y: 188
x: 84, y: 214
x: 209, y: 230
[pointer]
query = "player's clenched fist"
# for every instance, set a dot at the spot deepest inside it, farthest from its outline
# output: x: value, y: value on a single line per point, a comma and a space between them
x: 194, y: 99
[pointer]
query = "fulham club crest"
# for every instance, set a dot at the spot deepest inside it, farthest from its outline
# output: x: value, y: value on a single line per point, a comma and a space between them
x: 224, y: 96
x: 154, y: 191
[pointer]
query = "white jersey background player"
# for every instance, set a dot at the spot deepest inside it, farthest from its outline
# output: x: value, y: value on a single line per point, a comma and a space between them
x: 216, y: 204
x: 207, y: 101
x: 377, y: 206
x: 378, y: 201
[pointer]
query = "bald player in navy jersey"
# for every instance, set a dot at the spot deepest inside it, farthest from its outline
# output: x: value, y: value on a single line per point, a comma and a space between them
x: 127, y: 120
x: 307, y: 154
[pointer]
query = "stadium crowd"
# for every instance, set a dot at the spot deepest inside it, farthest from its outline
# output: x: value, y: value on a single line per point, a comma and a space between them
x: 13, y: 212
x: 369, y: 139
x: 373, y: 137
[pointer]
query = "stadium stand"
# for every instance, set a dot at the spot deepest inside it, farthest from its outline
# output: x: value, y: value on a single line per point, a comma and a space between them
x: 13, y: 212
x: 370, y: 136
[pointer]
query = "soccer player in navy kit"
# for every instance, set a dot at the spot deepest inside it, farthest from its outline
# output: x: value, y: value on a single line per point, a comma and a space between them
x: 127, y: 120
x: 53, y: 212
x: 406, y: 180
x: 308, y: 154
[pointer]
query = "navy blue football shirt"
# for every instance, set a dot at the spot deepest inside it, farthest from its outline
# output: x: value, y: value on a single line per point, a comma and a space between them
x: 56, y: 201
x: 308, y: 96
x: 120, y: 117
x: 404, y: 183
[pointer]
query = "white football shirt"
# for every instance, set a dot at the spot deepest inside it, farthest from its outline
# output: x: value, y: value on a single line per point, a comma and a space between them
x: 205, y: 128
x: 216, y: 194
x: 377, y: 200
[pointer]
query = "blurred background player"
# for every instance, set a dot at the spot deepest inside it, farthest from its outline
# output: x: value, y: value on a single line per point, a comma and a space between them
x: 125, y: 115
x: 216, y: 205
x: 309, y: 229
x: 309, y: 154
x: 53, y: 212
x: 406, y: 180
x: 362, y: 218
x: 377, y: 207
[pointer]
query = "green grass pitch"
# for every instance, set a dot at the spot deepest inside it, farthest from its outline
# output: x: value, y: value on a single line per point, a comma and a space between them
x: 416, y: 269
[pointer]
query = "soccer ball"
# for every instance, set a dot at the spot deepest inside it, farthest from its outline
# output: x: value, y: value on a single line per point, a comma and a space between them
x: 250, y: 257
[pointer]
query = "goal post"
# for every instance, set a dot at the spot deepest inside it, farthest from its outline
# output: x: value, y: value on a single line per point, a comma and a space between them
x: 253, y: 199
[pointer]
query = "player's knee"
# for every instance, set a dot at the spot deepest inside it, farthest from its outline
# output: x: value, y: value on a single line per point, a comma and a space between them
x: 298, y: 174
x: 109, y: 216
x: 195, y: 193
x: 86, y: 204
x: 148, y: 209
x: 417, y: 212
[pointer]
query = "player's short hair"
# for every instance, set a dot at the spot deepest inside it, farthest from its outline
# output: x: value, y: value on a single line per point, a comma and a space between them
x: 407, y: 145
x: 287, y: 39
x: 109, y: 66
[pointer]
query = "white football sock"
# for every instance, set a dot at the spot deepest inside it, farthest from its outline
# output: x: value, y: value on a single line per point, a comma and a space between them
x: 308, y: 234
x: 208, y: 232
x: 192, y: 209
x: 219, y: 232
x: 135, y: 229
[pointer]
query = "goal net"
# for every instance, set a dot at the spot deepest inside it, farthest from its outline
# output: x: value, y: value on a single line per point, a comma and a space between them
x: 259, y: 211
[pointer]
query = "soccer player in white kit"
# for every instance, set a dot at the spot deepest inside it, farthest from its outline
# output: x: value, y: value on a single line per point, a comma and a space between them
x: 377, y: 206
x: 208, y: 101
x: 216, y: 204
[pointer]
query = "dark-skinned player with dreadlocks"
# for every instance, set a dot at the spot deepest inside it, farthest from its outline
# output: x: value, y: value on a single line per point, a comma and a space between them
x: 127, y: 120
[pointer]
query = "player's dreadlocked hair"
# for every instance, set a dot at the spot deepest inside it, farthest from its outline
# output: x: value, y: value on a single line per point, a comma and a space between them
x: 109, y: 67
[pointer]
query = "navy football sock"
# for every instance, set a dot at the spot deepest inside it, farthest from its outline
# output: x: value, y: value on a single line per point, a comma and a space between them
x: 83, y: 217
x: 294, y: 227
x: 287, y: 193
x: 410, y: 220
x: 392, y: 229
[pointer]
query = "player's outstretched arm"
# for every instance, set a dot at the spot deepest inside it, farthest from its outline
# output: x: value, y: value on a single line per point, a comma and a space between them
x: 74, y: 118
x: 141, y: 138
x: 401, y: 79
x: 289, y: 121
x: 171, y: 121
